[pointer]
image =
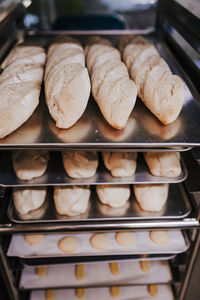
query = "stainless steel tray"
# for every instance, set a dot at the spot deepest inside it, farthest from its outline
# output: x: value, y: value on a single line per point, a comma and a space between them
x: 143, y: 130
x: 177, y: 207
x: 60, y: 260
x: 56, y: 174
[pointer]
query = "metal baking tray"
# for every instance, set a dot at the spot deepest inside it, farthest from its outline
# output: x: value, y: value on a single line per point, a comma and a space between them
x: 56, y: 175
x: 61, y: 260
x: 143, y: 130
x: 177, y: 207
x: 35, y: 258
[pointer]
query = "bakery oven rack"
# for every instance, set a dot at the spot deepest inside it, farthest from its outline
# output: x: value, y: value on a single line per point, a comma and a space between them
x: 91, y: 133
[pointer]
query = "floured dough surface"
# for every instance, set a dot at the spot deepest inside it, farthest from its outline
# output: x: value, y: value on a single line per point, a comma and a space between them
x: 28, y: 199
x: 71, y: 200
x: 68, y: 244
x: 151, y: 197
x: 100, y: 241
x: 165, y: 164
x: 80, y: 164
x: 121, y: 164
x: 30, y: 164
x: 113, y: 195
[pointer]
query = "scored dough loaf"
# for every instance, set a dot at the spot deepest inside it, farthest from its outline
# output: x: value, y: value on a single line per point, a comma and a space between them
x: 151, y: 197
x: 165, y: 164
x: 112, y: 89
x: 30, y: 164
x: 80, y: 164
x: 71, y: 200
x: 113, y: 195
x: 120, y: 164
x: 160, y: 90
x: 28, y: 199
x: 20, y: 84
x: 67, y: 83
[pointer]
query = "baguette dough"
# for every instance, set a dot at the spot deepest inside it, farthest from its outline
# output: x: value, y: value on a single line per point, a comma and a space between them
x: 125, y: 238
x: 28, y: 199
x: 100, y: 241
x: 159, y: 237
x: 20, y: 85
x: 71, y: 200
x: 160, y: 90
x: 120, y: 164
x: 112, y: 88
x: 30, y: 164
x: 68, y: 244
x: 80, y: 164
x: 33, y: 239
x: 113, y: 195
x: 151, y: 197
x: 67, y: 83
x: 165, y: 164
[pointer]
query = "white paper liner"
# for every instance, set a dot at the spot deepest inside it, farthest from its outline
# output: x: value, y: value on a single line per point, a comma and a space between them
x: 96, y: 274
x: 49, y: 246
x: 126, y: 293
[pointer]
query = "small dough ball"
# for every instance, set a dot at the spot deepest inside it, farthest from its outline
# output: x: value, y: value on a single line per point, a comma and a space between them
x: 28, y: 199
x: 68, y: 244
x: 121, y: 164
x: 159, y: 237
x: 71, y: 200
x: 34, y: 239
x: 125, y: 238
x: 113, y: 195
x: 166, y: 164
x: 80, y: 164
x: 100, y: 241
x: 151, y: 197
x: 30, y: 164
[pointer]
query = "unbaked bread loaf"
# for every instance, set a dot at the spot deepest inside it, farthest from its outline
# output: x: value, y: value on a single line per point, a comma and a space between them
x: 151, y: 197
x: 80, y: 164
x: 20, y: 85
x: 30, y: 164
x: 120, y: 164
x: 165, y: 164
x: 112, y: 89
x: 160, y: 90
x: 67, y: 83
x: 113, y: 195
x: 28, y: 199
x: 71, y: 200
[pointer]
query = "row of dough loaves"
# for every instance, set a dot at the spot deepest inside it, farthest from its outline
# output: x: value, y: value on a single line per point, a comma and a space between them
x: 160, y: 90
x: 74, y: 200
x: 20, y: 84
x: 83, y: 164
x: 100, y: 241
